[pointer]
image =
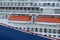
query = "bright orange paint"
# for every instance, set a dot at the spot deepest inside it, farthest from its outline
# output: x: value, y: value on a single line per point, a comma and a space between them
x: 45, y: 19
x: 19, y: 18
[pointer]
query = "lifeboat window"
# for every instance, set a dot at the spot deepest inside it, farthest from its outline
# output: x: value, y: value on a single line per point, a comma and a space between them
x: 49, y: 30
x: 40, y: 30
x: 54, y: 31
x: 36, y: 29
x: 32, y: 29
x: 45, y: 30
x: 58, y: 31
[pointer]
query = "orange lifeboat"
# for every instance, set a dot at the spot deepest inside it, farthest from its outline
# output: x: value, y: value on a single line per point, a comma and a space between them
x: 48, y: 19
x: 19, y: 18
x: 41, y: 19
x: 57, y: 20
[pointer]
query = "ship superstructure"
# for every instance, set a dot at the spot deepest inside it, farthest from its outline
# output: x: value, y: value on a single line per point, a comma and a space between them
x: 37, y: 16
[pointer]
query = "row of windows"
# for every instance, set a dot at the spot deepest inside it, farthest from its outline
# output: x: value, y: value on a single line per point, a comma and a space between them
x: 43, y: 30
x: 30, y: 0
x: 44, y: 0
x: 13, y: 0
x: 57, y: 11
x: 22, y: 8
x: 52, y: 35
x: 30, y: 4
x: 14, y: 4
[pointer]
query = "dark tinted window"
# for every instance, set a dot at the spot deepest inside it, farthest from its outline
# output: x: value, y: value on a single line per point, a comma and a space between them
x: 36, y: 29
x: 49, y: 30
x: 32, y: 29
x: 58, y: 31
x: 45, y: 30
x: 54, y: 31
x: 40, y: 30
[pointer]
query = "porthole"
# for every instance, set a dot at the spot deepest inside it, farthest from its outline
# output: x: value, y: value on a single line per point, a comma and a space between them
x: 54, y: 35
x: 36, y: 29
